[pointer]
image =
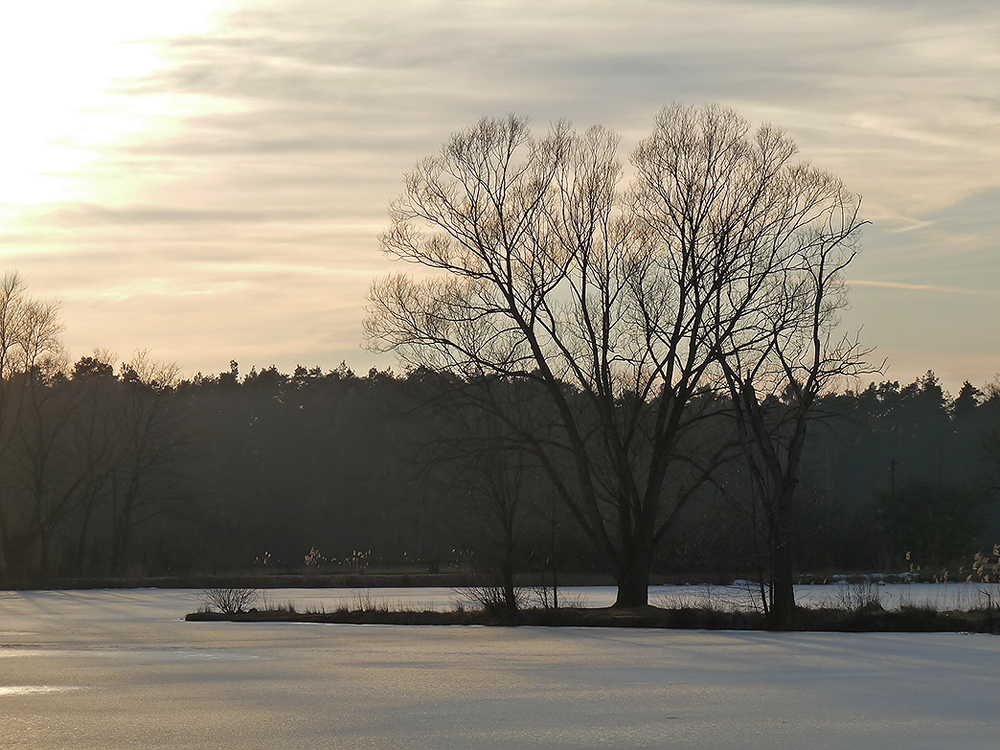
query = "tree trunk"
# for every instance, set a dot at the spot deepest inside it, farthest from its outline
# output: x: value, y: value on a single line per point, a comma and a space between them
x: 5, y: 545
x: 782, y: 587
x: 80, y: 553
x: 633, y: 588
x: 633, y: 576
x: 509, y: 592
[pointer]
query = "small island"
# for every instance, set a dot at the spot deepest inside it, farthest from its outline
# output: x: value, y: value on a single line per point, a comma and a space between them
x: 855, y: 614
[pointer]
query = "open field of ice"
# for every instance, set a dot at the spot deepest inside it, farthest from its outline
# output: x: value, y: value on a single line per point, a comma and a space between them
x: 121, y: 669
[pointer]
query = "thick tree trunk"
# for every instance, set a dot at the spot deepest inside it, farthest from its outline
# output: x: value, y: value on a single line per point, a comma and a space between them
x: 633, y: 576
x: 633, y: 588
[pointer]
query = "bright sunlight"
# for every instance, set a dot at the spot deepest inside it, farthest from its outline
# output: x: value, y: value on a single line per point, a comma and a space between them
x: 63, y: 65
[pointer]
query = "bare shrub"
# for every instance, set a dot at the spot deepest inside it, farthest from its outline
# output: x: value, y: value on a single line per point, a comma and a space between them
x: 861, y: 596
x: 363, y: 601
x: 553, y: 597
x: 494, y: 599
x: 230, y: 601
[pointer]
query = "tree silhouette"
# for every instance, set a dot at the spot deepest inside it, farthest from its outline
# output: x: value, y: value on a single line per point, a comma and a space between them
x: 617, y: 305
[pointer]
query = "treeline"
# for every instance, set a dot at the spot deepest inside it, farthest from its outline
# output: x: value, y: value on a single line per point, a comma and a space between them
x: 894, y: 478
x: 126, y: 470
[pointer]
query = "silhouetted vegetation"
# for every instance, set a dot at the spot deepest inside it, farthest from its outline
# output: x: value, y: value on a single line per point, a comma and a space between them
x: 627, y: 381
x: 110, y: 473
x: 828, y: 619
x: 613, y: 304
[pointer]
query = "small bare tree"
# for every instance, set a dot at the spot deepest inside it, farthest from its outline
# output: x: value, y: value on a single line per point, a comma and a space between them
x: 494, y: 477
x: 231, y: 601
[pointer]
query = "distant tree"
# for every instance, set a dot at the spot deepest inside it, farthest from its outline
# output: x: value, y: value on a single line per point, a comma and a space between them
x: 48, y: 474
x: 933, y: 524
x: 97, y: 443
x: 967, y: 401
x: 988, y: 441
x: 498, y: 504
x: 30, y: 348
x: 143, y: 481
x: 483, y: 475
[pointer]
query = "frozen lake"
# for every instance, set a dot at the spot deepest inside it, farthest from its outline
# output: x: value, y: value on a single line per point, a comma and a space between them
x: 121, y: 669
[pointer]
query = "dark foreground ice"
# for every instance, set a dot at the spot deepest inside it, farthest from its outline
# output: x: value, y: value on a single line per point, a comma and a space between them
x: 120, y: 669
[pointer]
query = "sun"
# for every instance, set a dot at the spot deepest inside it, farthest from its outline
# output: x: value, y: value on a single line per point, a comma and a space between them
x: 60, y: 61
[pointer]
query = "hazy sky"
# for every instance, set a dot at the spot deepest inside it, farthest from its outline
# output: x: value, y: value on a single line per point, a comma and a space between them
x: 207, y: 179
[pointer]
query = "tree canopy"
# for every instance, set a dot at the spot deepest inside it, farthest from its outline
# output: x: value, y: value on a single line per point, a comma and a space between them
x: 544, y: 267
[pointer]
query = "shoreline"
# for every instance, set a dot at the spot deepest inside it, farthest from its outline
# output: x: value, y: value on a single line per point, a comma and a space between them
x: 822, y: 619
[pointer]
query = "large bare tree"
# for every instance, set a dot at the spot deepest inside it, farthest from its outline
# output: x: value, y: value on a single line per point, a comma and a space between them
x: 615, y: 302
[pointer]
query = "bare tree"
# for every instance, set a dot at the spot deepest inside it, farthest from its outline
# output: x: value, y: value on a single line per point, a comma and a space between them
x: 97, y: 443
x: 612, y: 303
x: 494, y: 479
x: 778, y: 366
x: 144, y: 475
x: 46, y: 470
x: 497, y: 502
x: 30, y: 348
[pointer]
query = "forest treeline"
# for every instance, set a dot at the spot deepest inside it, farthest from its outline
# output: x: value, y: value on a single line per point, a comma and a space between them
x: 124, y: 469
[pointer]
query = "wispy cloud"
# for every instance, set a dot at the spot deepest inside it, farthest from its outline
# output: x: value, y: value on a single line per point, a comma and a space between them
x: 917, y: 287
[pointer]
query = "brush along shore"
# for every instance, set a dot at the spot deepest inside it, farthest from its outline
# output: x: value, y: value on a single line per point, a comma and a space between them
x: 907, y: 619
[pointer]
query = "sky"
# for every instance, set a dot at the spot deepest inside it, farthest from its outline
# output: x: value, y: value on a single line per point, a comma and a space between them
x: 207, y: 179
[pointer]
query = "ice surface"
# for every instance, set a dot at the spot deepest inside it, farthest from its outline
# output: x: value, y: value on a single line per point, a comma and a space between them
x: 120, y: 669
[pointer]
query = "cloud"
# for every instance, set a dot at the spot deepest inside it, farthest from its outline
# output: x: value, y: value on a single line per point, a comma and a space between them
x: 915, y: 287
x: 77, y: 215
x: 236, y: 210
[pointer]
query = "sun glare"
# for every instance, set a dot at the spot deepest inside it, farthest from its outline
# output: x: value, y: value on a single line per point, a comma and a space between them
x: 59, y: 64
